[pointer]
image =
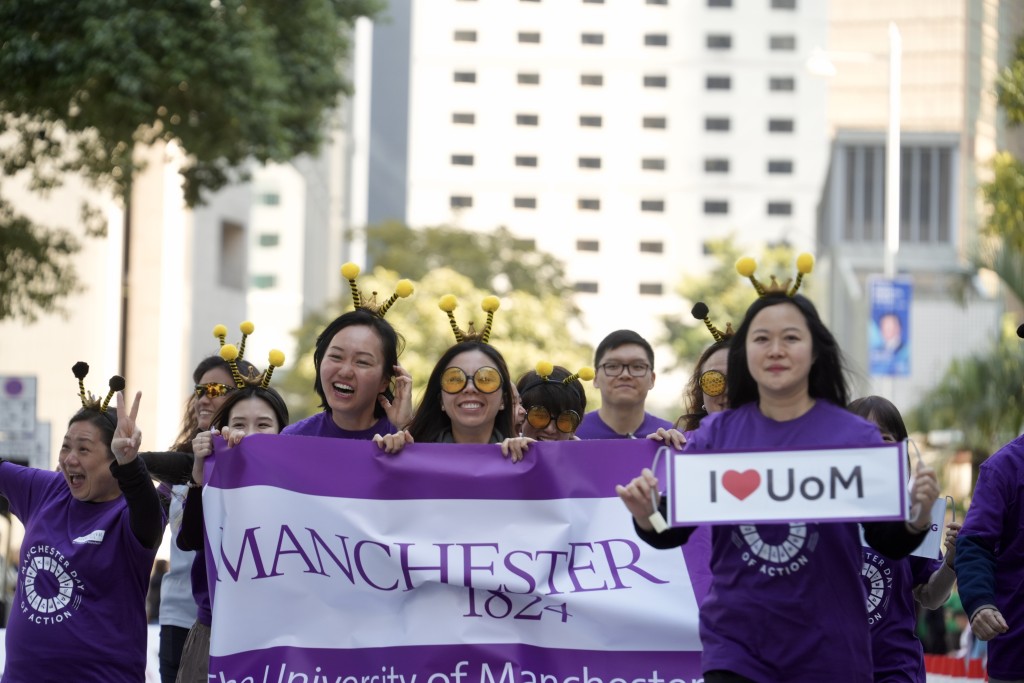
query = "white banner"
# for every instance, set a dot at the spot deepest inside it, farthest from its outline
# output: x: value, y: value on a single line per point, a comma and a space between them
x: 850, y: 484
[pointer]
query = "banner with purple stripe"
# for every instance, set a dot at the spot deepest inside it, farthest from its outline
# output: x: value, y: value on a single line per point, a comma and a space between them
x: 331, y: 561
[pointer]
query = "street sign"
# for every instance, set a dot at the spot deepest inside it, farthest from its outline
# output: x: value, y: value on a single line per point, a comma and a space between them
x: 17, y: 407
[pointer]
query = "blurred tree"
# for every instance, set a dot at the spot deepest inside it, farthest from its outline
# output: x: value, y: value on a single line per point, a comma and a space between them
x: 230, y: 81
x: 527, y: 328
x: 726, y: 293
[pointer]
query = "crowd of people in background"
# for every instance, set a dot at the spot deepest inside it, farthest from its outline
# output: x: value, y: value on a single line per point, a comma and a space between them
x: 778, y: 382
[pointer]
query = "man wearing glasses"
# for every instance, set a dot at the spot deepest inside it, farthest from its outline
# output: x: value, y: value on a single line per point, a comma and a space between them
x: 624, y: 364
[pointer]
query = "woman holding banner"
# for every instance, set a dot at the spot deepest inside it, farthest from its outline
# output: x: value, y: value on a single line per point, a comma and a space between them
x: 786, y: 601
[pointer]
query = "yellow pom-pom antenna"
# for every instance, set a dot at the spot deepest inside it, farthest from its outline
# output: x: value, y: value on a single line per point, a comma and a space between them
x: 544, y: 369
x: 221, y: 333
x: 586, y: 373
x: 402, y: 290
x: 448, y: 304
x: 276, y: 359
x: 804, y: 265
x: 247, y: 328
x: 490, y: 304
x: 350, y: 272
x: 746, y: 267
x: 230, y: 353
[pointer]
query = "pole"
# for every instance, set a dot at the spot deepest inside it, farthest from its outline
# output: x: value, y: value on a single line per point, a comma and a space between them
x: 892, y: 155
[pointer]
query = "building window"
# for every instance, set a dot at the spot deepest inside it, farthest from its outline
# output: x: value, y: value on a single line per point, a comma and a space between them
x: 588, y: 245
x: 655, y: 81
x: 780, y: 125
x: 652, y: 164
x: 524, y: 78
x: 592, y: 80
x: 716, y: 165
x: 529, y: 36
x: 652, y: 205
x: 658, y: 122
x: 590, y: 121
x: 657, y: 2
x: 783, y: 4
x: 589, y: 162
x: 588, y: 204
x: 464, y: 118
x: 586, y: 287
x: 780, y: 167
x: 713, y: 207
x: 782, y: 43
x: 719, y: 3
x: 462, y: 160
x: 524, y: 202
x: 650, y: 288
x: 527, y: 119
x: 529, y: 161
x: 465, y: 77
x: 269, y: 239
x: 652, y: 247
x: 656, y: 40
x: 592, y: 38
x: 718, y: 41
x: 782, y: 84
x: 593, y: 2
x: 718, y: 83
x: 264, y: 281
x: 465, y: 36
x: 780, y: 208
x: 718, y: 124
x: 269, y: 198
x: 460, y: 201
x: 232, y: 255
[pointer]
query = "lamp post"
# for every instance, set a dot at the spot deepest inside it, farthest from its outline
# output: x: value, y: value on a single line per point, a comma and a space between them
x: 892, y: 155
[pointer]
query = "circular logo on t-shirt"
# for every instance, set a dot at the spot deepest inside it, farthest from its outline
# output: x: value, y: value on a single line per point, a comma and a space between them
x: 776, y: 549
x: 877, y: 576
x: 51, y: 587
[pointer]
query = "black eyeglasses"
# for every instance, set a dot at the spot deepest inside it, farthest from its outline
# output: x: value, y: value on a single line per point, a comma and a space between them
x: 213, y: 390
x: 487, y: 380
x: 614, y: 368
x: 539, y: 418
x: 712, y: 383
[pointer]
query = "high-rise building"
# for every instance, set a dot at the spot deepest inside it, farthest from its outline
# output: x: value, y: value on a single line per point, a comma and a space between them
x: 617, y: 135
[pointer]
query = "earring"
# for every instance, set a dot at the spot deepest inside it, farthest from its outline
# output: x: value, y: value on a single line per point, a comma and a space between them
x: 703, y: 408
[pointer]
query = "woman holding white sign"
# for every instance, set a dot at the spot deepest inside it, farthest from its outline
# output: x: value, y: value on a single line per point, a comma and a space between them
x: 893, y: 585
x: 786, y: 600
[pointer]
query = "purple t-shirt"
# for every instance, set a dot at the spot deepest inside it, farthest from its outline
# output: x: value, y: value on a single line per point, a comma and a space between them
x: 79, y: 610
x: 593, y: 427
x: 322, y: 424
x: 786, y: 600
x: 990, y: 555
x: 892, y: 614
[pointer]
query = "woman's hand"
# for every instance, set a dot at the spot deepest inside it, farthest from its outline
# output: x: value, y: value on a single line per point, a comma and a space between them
x: 202, y: 447
x: 923, y: 495
x: 392, y: 444
x: 671, y: 437
x: 127, y: 437
x: 637, y: 497
x: 515, y: 447
x: 952, y: 531
x: 399, y: 411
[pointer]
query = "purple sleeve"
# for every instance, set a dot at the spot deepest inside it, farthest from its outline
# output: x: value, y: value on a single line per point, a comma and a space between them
x: 922, y: 568
x: 21, y: 486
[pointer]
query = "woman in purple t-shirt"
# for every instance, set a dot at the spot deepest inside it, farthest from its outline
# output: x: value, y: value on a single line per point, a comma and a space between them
x: 786, y: 600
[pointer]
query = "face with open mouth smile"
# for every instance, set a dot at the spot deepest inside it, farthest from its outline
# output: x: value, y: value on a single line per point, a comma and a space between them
x: 205, y: 406
x: 352, y: 375
x: 85, y: 463
x: 470, y: 409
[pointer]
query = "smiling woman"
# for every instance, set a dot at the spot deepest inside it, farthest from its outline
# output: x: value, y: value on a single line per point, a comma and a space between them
x: 91, y: 533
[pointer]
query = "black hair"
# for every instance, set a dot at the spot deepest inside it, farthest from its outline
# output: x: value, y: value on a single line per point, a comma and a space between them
x: 621, y: 338
x: 391, y: 345
x: 269, y: 394
x: 883, y: 413
x: 694, y: 394
x: 552, y: 393
x: 106, y: 422
x: 430, y: 421
x: 827, y: 379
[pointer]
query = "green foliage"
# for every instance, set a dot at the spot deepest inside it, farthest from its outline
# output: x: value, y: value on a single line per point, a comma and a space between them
x: 527, y: 329
x: 1004, y: 195
x: 1010, y: 86
x: 229, y: 80
x: 726, y: 293
x: 494, y: 260
x: 37, y: 271
x: 982, y: 396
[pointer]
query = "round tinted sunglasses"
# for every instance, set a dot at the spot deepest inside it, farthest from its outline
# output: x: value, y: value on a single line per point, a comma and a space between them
x: 712, y: 383
x: 539, y: 418
x: 487, y: 380
x: 213, y: 389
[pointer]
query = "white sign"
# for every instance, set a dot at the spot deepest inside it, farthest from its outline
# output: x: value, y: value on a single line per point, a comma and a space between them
x: 850, y: 484
x: 35, y: 449
x: 17, y: 406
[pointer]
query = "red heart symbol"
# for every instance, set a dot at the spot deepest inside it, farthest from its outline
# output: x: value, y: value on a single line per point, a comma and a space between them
x: 741, y: 484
